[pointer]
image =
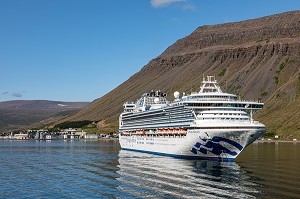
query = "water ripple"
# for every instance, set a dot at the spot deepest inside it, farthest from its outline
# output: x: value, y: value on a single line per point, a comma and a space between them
x: 99, y: 169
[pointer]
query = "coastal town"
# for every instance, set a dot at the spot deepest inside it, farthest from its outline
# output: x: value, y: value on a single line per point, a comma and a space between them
x: 44, y: 134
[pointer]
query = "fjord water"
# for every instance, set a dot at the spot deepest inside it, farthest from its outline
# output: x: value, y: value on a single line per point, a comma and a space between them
x: 99, y: 169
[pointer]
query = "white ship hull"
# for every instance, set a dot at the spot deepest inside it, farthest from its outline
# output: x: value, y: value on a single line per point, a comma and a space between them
x: 217, y: 144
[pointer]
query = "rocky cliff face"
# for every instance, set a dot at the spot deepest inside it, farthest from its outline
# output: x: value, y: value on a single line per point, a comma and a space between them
x: 285, y: 25
x: 256, y: 59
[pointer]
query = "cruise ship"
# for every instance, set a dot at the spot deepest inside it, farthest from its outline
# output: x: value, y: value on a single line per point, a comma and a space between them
x: 208, y: 124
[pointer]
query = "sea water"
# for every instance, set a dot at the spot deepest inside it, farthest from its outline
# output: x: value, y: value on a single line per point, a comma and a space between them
x: 100, y: 169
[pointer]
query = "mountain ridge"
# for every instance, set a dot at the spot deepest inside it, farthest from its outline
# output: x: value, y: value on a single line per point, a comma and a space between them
x: 255, y: 59
x: 235, y: 33
x: 18, y: 114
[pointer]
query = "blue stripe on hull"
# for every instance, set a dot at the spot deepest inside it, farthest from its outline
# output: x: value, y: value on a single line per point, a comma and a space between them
x: 183, y: 156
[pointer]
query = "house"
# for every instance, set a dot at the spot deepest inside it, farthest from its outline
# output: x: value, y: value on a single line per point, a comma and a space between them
x: 91, y: 136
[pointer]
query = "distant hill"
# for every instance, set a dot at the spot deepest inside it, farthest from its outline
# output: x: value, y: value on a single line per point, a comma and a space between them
x: 19, y: 114
x: 258, y: 58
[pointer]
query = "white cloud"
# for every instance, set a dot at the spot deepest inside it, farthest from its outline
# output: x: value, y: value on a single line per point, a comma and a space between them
x: 162, y: 3
x: 17, y: 95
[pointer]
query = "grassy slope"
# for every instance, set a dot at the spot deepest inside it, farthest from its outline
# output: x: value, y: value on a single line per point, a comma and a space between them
x: 254, y: 59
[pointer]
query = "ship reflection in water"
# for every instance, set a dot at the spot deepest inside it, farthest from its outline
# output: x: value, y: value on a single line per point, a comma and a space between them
x: 263, y: 170
x: 149, y: 175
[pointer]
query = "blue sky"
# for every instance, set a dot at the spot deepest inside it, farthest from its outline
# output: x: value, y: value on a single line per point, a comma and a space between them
x: 77, y: 50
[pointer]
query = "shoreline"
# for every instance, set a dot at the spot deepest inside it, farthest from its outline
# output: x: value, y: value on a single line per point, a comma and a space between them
x: 59, y: 139
x: 266, y: 140
x: 115, y: 138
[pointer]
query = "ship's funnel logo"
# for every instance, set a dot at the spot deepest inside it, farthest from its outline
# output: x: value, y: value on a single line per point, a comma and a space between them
x: 213, y: 145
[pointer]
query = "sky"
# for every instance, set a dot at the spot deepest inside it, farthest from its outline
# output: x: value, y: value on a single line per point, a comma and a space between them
x: 79, y: 50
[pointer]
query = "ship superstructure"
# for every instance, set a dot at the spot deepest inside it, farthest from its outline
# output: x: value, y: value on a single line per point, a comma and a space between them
x: 208, y: 124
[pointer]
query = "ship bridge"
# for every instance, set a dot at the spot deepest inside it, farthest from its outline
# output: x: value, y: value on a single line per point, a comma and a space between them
x: 210, y: 85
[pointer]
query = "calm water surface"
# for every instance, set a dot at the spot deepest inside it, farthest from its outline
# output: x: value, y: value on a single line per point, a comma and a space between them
x: 99, y: 169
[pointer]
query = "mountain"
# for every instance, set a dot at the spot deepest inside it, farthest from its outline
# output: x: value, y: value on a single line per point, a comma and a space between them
x: 19, y: 114
x: 256, y: 59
